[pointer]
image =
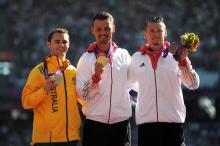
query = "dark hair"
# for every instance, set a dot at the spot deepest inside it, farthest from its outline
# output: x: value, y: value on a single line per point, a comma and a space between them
x: 57, y: 30
x: 103, y: 15
x: 155, y: 19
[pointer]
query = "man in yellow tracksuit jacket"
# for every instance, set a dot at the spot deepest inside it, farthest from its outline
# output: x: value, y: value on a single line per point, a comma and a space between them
x: 50, y: 92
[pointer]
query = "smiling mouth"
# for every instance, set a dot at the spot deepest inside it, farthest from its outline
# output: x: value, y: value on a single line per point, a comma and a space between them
x: 156, y: 42
x: 103, y: 39
x: 103, y: 36
x: 62, y: 50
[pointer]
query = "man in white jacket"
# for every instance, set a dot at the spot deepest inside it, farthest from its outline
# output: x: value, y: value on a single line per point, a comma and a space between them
x: 102, y: 81
x: 160, y: 110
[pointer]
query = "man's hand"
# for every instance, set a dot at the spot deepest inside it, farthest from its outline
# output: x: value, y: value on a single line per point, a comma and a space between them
x: 99, y: 68
x: 50, y: 84
x: 184, y: 54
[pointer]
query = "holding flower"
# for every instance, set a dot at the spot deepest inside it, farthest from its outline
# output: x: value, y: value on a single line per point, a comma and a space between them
x: 189, y: 41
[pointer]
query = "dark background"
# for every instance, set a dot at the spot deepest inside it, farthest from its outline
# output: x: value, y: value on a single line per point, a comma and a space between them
x: 25, y: 24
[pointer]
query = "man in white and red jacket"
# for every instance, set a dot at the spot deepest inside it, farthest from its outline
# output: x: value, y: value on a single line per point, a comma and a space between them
x: 160, y: 110
x: 102, y: 82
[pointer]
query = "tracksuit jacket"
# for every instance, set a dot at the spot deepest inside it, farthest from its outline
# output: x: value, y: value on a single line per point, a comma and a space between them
x: 107, y: 101
x: 159, y: 79
x: 56, y: 114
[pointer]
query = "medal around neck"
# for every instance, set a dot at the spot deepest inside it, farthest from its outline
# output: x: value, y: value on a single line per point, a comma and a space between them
x: 58, y: 78
x: 102, y: 60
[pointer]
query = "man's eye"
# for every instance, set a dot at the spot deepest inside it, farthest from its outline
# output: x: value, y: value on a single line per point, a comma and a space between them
x: 98, y: 29
x: 107, y: 29
x: 57, y: 42
x: 160, y: 31
x: 151, y: 30
x: 64, y: 42
x: 61, y: 42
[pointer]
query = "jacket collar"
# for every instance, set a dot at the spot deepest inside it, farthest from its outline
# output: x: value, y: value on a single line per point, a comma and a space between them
x: 164, y: 51
x: 57, y: 61
x: 155, y: 57
x: 94, y: 48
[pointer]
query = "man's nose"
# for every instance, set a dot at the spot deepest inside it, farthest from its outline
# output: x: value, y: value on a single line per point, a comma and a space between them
x: 62, y: 43
x: 156, y: 34
x: 102, y: 32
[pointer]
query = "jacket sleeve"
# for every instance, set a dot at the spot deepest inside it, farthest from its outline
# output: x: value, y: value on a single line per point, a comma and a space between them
x: 189, y: 77
x: 80, y: 99
x: 33, y: 92
x: 132, y: 76
x: 85, y: 86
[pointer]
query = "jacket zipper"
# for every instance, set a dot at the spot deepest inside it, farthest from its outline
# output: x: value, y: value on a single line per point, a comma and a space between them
x: 155, y: 81
x: 154, y: 59
x: 67, y: 135
x: 50, y: 136
x: 65, y: 91
x: 110, y: 96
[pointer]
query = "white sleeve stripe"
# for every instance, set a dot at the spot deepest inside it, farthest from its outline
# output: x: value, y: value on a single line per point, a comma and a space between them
x: 189, y: 75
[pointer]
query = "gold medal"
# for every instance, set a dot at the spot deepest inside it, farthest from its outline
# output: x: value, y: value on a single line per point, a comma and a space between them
x: 102, y: 60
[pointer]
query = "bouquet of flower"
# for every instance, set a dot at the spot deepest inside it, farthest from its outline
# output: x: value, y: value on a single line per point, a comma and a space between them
x: 189, y: 41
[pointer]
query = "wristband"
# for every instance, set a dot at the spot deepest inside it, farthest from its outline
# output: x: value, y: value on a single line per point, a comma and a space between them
x: 95, y: 79
x: 184, y: 62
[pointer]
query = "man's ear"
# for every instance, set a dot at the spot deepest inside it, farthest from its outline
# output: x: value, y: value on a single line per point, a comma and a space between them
x: 48, y: 44
x: 145, y: 35
x: 165, y: 35
x: 92, y: 30
x: 113, y: 29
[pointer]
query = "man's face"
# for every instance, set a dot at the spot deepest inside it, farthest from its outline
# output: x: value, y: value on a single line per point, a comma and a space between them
x: 155, y: 35
x: 103, y: 31
x: 59, y: 44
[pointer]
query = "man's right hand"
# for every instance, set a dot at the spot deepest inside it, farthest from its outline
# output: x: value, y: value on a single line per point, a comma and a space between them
x: 99, y: 68
x: 49, y: 84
